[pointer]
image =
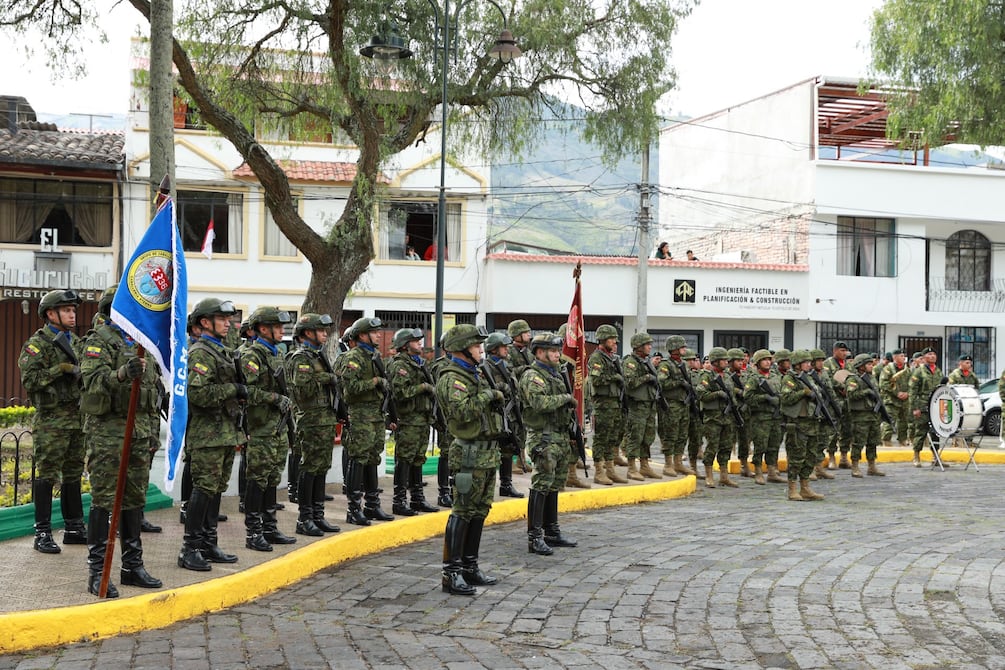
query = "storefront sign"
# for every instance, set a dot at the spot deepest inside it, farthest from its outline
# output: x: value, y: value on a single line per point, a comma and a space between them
x: 684, y: 291
x: 20, y: 283
x: 753, y: 297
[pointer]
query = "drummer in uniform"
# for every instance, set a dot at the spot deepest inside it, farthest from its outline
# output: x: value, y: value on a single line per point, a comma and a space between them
x: 924, y: 380
x: 964, y: 375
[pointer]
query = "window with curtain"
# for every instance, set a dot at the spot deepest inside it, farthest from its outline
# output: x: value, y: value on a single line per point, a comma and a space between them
x: 861, y: 338
x: 866, y: 247
x: 406, y: 226
x: 81, y: 212
x: 276, y: 243
x: 968, y: 262
x: 226, y: 210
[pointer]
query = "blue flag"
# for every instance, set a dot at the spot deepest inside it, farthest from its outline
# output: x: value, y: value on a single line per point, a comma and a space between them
x: 150, y: 304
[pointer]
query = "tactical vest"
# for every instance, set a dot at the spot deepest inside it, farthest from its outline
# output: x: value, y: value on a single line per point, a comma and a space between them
x: 537, y: 419
x: 644, y: 392
x: 226, y: 373
x: 64, y: 389
x: 98, y: 402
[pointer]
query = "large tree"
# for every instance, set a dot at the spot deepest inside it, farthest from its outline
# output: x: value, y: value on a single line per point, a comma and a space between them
x: 948, y: 59
x: 295, y: 64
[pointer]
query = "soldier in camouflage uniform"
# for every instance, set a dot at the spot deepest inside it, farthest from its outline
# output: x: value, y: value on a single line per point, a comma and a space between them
x: 443, y: 438
x: 108, y: 367
x: 894, y: 387
x: 826, y: 433
x: 518, y: 359
x: 675, y: 380
x: 311, y: 384
x: 865, y: 420
x: 473, y: 412
x: 548, y: 409
x: 761, y: 390
x: 737, y: 359
x: 798, y: 398
x: 51, y: 375
x: 924, y: 380
x: 841, y: 438
x: 694, y: 427
x: 781, y: 367
x: 215, y: 399
x: 365, y: 386
x: 964, y: 375
x: 497, y: 355
x: 607, y: 387
x: 641, y: 388
x: 269, y: 411
x: 714, y: 388
x: 414, y: 397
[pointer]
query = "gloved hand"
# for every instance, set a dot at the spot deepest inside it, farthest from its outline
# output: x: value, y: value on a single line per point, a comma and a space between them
x: 428, y: 388
x: 133, y: 369
x: 773, y: 400
x: 69, y: 369
x: 282, y: 402
x: 491, y: 395
x: 721, y: 395
x: 381, y: 384
x: 570, y: 400
x: 240, y: 391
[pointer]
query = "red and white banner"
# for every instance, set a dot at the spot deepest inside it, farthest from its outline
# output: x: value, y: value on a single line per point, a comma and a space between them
x: 574, y: 346
x: 207, y: 242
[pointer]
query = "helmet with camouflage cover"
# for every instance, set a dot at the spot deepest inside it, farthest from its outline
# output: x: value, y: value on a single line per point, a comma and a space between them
x: 800, y: 356
x: 861, y: 360
x: 718, y: 354
x: 311, y: 321
x: 759, y: 356
x: 105, y: 303
x: 364, y: 324
x: 676, y: 342
x: 517, y: 327
x: 562, y: 330
x: 496, y: 340
x: 735, y: 354
x: 689, y: 355
x: 606, y: 331
x: 640, y: 340
x: 208, y: 307
x: 268, y: 315
x: 545, y: 341
x: 56, y: 299
x: 462, y: 336
x: 783, y: 355
x: 405, y: 335
x: 817, y: 354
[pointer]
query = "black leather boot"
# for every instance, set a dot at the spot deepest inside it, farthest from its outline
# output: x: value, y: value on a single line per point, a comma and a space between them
x: 97, y: 543
x: 133, y: 572
x: 415, y: 485
x: 535, y: 521
x: 292, y: 475
x: 41, y: 495
x: 371, y: 504
x: 254, y: 538
x: 148, y: 527
x: 354, y: 485
x: 506, y: 489
x: 72, y: 508
x: 210, y: 549
x: 305, y: 503
x: 220, y: 517
x: 191, y: 557
x: 270, y: 526
x: 186, y: 490
x: 469, y: 562
x: 453, y: 546
x: 318, y: 501
x: 552, y: 533
x: 399, y: 503
x: 443, y: 498
x: 242, y: 481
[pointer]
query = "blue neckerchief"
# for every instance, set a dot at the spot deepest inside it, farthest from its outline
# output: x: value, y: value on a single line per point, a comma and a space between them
x: 124, y: 334
x: 267, y: 345
x: 419, y: 360
x: 366, y: 347
x: 309, y: 345
x: 498, y: 360
x: 467, y: 366
x: 544, y: 366
x: 213, y: 340
x: 55, y: 331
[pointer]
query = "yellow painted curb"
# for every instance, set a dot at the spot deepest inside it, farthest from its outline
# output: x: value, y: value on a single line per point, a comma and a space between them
x: 22, y: 631
x: 988, y: 456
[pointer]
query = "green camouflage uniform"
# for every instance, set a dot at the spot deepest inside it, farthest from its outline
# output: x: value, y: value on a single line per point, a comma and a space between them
x: 548, y: 412
x: 839, y: 439
x: 474, y: 419
x: 413, y: 399
x: 764, y: 414
x: 518, y: 360
x: 924, y: 380
x: 900, y: 410
x: 508, y: 385
x: 606, y: 383
x: 673, y: 422
x: 742, y: 432
x: 55, y: 394
x: 214, y: 413
x: 968, y: 378
x: 309, y: 382
x: 105, y: 406
x: 826, y: 434
x: 694, y: 427
x: 719, y: 426
x: 798, y: 407
x: 268, y: 443
x: 864, y: 420
x: 357, y: 371
x: 640, y: 387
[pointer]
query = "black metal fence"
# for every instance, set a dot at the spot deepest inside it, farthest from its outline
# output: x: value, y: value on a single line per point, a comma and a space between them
x: 17, y: 462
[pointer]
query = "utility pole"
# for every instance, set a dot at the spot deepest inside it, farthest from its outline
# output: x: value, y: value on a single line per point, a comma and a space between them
x: 645, y: 244
x: 161, y: 127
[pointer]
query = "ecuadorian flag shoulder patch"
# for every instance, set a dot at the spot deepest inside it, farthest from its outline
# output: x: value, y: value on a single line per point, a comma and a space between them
x: 32, y: 349
x: 201, y: 368
x: 92, y: 351
x: 352, y: 364
x: 303, y: 367
x: 251, y: 366
x: 459, y: 385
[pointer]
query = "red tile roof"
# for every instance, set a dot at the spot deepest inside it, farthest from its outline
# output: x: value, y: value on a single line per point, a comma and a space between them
x: 43, y: 144
x: 630, y: 260
x: 341, y: 172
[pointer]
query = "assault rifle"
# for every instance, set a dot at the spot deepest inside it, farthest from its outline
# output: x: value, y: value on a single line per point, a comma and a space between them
x: 507, y: 428
x: 879, y: 407
x: 242, y: 405
x: 334, y: 391
x: 768, y: 391
x: 439, y: 421
x: 387, y: 406
x: 575, y: 430
x: 62, y: 340
x: 279, y: 374
x: 622, y: 396
x: 731, y: 407
x: 692, y: 397
x: 660, y: 400
x: 828, y: 396
x: 822, y: 405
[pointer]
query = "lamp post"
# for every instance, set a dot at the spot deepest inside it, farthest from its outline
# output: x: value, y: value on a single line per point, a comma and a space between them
x: 389, y: 46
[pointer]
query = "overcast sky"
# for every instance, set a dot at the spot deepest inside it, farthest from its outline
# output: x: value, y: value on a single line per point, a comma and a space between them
x: 726, y: 52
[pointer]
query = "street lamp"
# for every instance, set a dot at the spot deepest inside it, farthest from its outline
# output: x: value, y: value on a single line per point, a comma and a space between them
x: 384, y: 47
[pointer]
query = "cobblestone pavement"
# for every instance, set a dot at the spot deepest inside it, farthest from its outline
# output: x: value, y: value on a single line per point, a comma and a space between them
x: 900, y: 572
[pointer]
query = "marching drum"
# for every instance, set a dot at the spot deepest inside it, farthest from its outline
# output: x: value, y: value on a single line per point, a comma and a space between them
x: 955, y: 410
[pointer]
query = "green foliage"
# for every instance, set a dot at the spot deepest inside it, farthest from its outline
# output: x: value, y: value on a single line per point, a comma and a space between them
x: 947, y: 56
x: 16, y: 416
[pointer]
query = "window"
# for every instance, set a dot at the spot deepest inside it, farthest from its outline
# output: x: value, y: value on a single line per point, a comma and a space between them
x: 310, y: 129
x: 276, y: 243
x: 413, y: 224
x: 866, y: 247
x: 81, y: 212
x: 226, y: 210
x: 977, y: 342
x: 861, y: 338
x: 968, y: 262
x: 693, y: 338
x: 186, y: 115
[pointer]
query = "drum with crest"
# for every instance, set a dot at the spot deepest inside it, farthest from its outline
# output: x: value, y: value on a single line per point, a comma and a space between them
x: 955, y: 410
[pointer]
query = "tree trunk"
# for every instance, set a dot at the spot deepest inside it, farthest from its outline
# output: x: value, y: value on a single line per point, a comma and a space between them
x: 161, y: 96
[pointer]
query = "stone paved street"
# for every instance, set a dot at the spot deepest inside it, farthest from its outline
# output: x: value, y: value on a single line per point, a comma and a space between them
x: 901, y: 572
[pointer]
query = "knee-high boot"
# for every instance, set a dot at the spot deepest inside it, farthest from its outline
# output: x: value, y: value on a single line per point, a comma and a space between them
x: 186, y: 490
x: 535, y: 522
x: 72, y: 508
x: 97, y: 543
x: 354, y: 492
x: 418, y: 503
x: 469, y: 562
x: 399, y: 503
x: 318, y: 502
x: 292, y: 475
x: 253, y: 503
x: 191, y: 557
x: 371, y: 499
x: 210, y: 549
x: 305, y: 500
x: 506, y: 478
x: 443, y: 498
x: 133, y: 572
x: 270, y: 527
x: 453, y: 546
x: 552, y: 533
x: 41, y: 495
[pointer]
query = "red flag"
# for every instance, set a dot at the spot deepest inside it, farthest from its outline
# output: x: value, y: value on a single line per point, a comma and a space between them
x: 207, y: 242
x: 574, y: 346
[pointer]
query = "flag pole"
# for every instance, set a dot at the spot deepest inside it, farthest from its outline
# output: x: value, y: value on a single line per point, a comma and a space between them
x: 163, y: 193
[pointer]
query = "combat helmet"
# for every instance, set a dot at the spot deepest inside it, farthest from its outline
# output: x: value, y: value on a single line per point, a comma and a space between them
x: 718, y: 354
x: 364, y: 324
x: 268, y: 315
x: 105, y: 303
x: 56, y: 299
x: 517, y: 328
x: 210, y: 307
x: 496, y: 340
x: 640, y: 340
x: 783, y: 355
x: 605, y: 331
x: 861, y: 360
x: 735, y: 354
x: 689, y: 355
x: 800, y: 356
x: 545, y: 341
x: 463, y: 335
x: 759, y: 356
x: 311, y: 321
x: 676, y: 342
x: 817, y: 354
x: 405, y: 335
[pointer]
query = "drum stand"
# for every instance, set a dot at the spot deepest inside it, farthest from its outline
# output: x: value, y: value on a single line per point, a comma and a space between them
x: 968, y: 442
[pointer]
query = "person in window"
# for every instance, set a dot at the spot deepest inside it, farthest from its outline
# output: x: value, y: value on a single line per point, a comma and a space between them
x: 410, y: 254
x: 663, y: 251
x: 430, y: 254
x: 691, y: 256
